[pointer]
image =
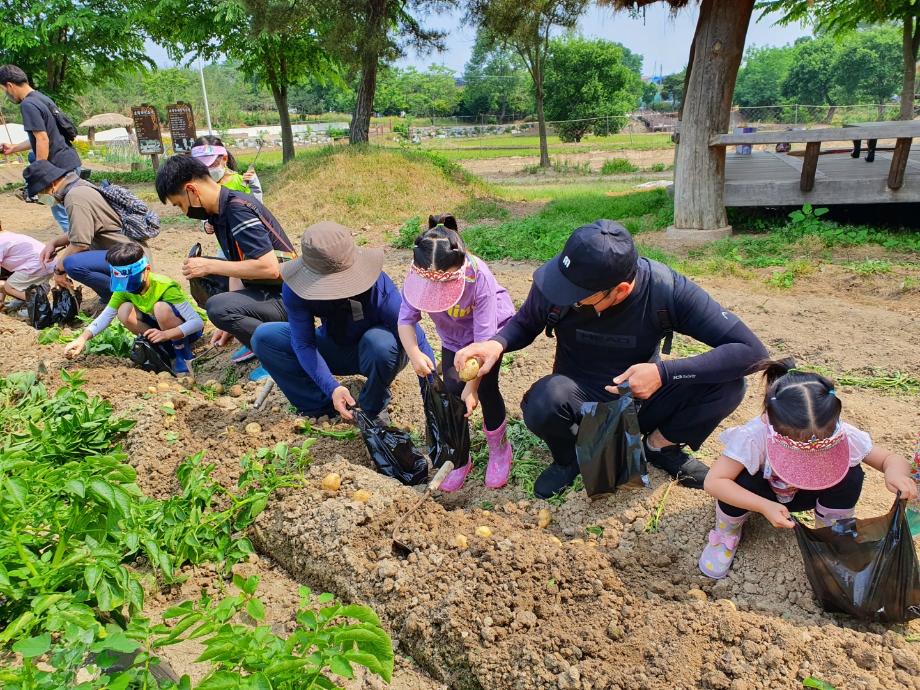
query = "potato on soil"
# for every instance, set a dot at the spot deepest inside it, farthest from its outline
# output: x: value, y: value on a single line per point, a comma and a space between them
x: 332, y: 482
x: 544, y: 517
x: 483, y: 532
x: 236, y: 391
x: 152, y: 390
x: 361, y: 496
x: 470, y: 370
x: 460, y: 542
x: 163, y: 386
x: 253, y: 428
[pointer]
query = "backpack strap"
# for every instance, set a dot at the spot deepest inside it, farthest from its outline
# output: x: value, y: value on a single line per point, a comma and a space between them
x: 555, y: 315
x: 288, y: 254
x: 663, y: 301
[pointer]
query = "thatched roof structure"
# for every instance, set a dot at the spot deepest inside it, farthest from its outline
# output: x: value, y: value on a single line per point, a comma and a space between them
x: 107, y: 120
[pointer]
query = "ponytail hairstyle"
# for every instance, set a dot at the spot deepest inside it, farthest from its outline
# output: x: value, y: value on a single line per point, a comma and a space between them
x: 439, y: 248
x: 800, y: 405
x: 211, y: 140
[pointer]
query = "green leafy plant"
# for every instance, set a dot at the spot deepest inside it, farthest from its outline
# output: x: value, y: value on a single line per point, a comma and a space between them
x: 654, y: 521
x: 327, y: 641
x: 615, y: 166
x: 116, y: 340
x: 870, y: 267
x: 408, y: 231
x: 242, y: 650
x: 807, y: 216
x: 817, y: 684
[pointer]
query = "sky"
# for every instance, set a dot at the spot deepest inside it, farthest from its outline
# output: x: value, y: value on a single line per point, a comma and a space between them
x: 661, y: 38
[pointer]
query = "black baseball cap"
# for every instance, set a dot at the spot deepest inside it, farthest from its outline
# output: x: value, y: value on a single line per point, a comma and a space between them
x: 596, y: 257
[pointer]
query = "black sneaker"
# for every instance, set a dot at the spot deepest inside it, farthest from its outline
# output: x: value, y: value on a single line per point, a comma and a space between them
x: 677, y: 462
x: 555, y: 479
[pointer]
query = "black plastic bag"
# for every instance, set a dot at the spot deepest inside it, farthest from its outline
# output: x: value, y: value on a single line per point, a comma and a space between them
x: 866, y: 568
x: 392, y: 451
x: 203, y: 288
x: 448, y: 429
x: 155, y: 357
x: 39, y: 307
x: 65, y: 305
x: 609, y: 446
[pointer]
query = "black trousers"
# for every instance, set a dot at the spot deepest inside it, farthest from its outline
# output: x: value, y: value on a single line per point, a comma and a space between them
x: 840, y: 496
x: 490, y: 398
x: 684, y: 413
x: 241, y: 312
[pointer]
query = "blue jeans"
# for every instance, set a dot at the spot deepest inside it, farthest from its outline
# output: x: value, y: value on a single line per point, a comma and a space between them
x: 58, y: 210
x: 90, y: 268
x: 378, y: 356
x: 60, y: 215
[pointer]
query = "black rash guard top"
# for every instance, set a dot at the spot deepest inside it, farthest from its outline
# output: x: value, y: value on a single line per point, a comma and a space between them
x: 594, y: 349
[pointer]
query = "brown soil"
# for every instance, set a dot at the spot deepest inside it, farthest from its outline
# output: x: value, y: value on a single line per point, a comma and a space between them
x: 627, y: 609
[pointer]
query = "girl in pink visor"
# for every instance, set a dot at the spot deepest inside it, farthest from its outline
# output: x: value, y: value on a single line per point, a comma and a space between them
x: 798, y: 455
x: 467, y: 305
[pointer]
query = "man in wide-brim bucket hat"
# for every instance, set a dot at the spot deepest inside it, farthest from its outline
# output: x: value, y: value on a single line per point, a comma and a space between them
x: 357, y: 304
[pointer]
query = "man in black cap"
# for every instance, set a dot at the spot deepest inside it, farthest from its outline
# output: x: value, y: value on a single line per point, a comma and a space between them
x: 94, y: 227
x: 610, y: 309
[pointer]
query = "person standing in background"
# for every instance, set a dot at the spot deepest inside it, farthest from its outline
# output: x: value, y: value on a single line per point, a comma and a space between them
x: 46, y: 140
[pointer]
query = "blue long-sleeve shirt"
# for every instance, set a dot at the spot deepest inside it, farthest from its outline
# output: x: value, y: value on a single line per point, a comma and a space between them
x: 344, y: 321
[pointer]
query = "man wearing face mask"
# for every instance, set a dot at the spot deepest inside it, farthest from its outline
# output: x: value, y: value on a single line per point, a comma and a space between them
x: 251, y: 239
x: 94, y: 227
x: 46, y: 141
x: 610, y: 309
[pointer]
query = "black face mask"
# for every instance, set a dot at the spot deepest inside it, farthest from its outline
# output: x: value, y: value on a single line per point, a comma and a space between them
x: 195, y: 212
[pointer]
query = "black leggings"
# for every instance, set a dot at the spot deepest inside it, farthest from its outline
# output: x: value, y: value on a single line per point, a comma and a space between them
x: 840, y: 496
x: 493, y: 405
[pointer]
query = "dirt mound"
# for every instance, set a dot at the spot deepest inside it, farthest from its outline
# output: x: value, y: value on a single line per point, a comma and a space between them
x: 372, y: 189
x: 521, y: 609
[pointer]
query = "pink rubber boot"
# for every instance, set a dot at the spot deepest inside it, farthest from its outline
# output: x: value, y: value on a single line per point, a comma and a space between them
x: 455, y: 479
x: 827, y: 517
x: 500, y: 454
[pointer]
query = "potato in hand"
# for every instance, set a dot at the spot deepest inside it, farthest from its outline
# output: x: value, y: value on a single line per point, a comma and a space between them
x: 470, y: 370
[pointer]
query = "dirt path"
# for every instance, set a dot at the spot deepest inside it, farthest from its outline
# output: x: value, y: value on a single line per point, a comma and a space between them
x: 621, y: 608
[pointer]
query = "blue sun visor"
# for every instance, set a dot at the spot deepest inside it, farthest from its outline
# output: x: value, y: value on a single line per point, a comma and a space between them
x: 128, y: 278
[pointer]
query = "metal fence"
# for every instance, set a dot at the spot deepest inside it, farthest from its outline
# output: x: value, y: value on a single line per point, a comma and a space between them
x: 798, y: 115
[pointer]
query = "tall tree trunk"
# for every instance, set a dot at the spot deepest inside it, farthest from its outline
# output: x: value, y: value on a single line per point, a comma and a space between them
x: 699, y: 179
x: 541, y: 116
x: 359, y: 132
x: 910, y: 41
x: 280, y: 94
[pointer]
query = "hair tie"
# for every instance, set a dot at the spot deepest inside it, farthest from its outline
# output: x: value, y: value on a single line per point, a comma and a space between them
x: 773, y: 398
x: 832, y: 391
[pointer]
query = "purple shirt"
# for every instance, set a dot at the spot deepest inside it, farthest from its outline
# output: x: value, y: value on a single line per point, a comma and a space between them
x: 484, y: 307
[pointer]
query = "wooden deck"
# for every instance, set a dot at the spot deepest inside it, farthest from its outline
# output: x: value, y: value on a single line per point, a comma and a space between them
x: 773, y: 179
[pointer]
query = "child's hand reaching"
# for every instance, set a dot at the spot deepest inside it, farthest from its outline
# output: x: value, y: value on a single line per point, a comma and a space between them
x: 155, y: 335
x: 898, y: 479
x: 778, y: 515
x: 470, y: 396
x: 72, y: 349
x: 421, y: 364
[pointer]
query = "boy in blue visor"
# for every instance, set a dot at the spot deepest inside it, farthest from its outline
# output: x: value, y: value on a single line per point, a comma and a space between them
x: 148, y: 304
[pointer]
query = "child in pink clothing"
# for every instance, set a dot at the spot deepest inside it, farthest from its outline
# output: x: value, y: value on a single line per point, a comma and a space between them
x: 467, y: 305
x: 21, y: 256
x: 796, y: 456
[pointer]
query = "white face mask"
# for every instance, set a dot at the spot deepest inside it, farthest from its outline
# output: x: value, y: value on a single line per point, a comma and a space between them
x: 217, y: 174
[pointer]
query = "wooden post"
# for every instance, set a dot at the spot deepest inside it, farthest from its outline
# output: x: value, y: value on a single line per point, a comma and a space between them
x: 699, y: 179
x: 898, y: 163
x: 155, y: 160
x: 810, y: 166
